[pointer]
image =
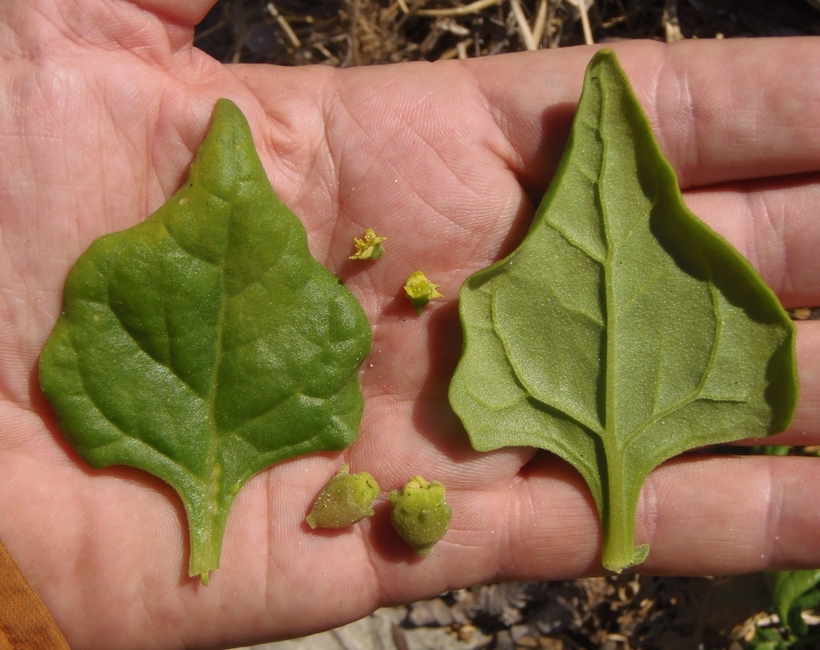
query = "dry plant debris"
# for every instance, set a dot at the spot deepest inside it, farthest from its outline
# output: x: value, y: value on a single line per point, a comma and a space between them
x: 360, y: 32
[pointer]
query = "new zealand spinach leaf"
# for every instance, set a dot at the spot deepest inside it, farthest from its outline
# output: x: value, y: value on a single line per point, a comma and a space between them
x: 622, y: 331
x: 793, y: 593
x: 206, y: 343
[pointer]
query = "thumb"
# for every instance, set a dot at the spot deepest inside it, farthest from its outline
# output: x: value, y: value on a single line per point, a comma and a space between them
x: 185, y: 13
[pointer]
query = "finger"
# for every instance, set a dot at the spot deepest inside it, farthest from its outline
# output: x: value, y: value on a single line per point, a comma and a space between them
x: 805, y: 428
x: 147, y: 27
x: 409, y: 149
x: 776, y: 226
x: 751, y: 116
x: 732, y: 515
x: 712, y: 128
x: 189, y: 12
x: 700, y: 516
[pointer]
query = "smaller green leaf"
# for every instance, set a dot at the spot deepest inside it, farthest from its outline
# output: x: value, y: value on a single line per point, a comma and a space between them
x: 346, y: 499
x: 788, y: 587
x: 420, y: 514
x: 206, y: 343
x: 777, y: 450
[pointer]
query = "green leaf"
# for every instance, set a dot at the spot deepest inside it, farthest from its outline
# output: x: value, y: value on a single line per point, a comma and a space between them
x: 789, y: 589
x: 206, y: 343
x: 622, y: 331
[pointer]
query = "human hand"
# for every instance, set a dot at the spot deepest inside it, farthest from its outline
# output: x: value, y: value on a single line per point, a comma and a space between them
x: 103, y: 105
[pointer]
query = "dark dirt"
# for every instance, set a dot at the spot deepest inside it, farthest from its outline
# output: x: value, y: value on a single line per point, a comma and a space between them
x: 360, y: 32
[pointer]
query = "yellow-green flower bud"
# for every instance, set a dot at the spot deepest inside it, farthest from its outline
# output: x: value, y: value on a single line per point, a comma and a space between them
x: 420, y: 514
x: 369, y: 248
x: 344, y: 500
x: 420, y: 290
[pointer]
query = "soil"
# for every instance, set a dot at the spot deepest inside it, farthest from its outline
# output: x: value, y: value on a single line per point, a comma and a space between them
x: 617, y: 612
x: 361, y: 32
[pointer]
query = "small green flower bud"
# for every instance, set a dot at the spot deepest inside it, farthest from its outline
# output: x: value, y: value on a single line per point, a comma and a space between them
x: 420, y: 291
x: 368, y: 248
x: 420, y: 514
x: 344, y: 500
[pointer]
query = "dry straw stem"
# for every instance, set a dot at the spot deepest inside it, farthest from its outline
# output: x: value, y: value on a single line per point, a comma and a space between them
x: 530, y: 37
x: 459, y: 51
x: 523, y: 26
x: 540, y: 22
x: 465, y: 10
x: 582, y: 8
x: 292, y: 37
x: 329, y: 57
x: 671, y: 24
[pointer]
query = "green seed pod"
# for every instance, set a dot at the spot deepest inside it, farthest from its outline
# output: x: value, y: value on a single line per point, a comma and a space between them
x: 344, y: 500
x: 420, y: 514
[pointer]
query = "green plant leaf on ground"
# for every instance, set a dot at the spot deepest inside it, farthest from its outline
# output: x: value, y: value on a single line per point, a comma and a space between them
x: 206, y: 343
x: 789, y: 592
x: 622, y: 331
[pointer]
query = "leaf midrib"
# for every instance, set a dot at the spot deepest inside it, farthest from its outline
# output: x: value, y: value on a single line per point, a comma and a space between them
x: 609, y: 431
x: 609, y: 434
x: 214, y: 468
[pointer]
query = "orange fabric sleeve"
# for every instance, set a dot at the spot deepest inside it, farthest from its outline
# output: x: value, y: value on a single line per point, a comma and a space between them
x: 25, y: 623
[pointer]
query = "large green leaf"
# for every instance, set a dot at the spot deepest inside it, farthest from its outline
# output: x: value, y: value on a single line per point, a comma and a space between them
x: 622, y: 331
x: 206, y: 343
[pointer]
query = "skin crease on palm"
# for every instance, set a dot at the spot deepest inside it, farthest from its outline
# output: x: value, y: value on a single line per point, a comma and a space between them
x: 102, y: 104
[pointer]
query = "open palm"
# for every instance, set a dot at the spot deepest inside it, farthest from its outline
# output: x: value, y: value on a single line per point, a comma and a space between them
x: 103, y: 104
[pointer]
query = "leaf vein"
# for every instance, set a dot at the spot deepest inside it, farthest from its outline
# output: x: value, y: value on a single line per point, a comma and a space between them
x: 125, y: 433
x: 695, y: 395
x: 573, y: 242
